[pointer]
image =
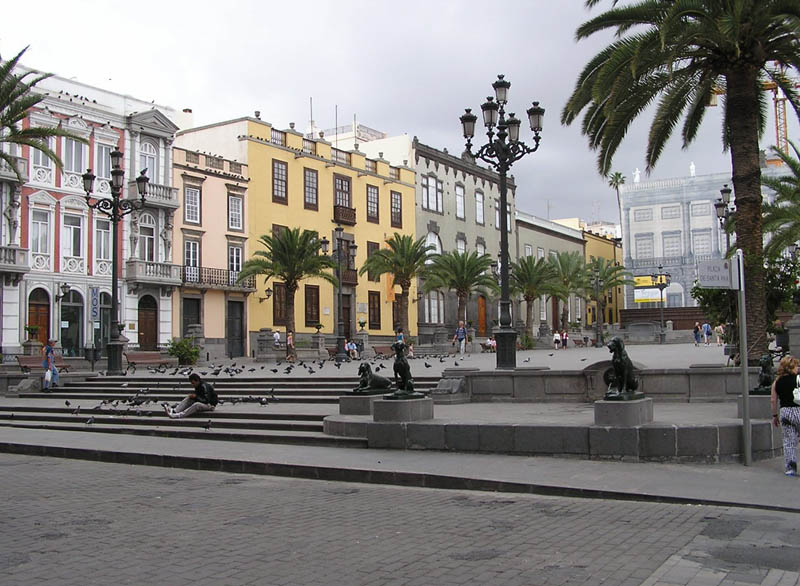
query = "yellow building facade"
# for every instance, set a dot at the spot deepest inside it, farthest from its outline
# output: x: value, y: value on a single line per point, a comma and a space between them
x: 307, y: 183
x: 598, y: 246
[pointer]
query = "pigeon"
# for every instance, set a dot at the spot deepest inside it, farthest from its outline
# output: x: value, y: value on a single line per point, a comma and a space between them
x: 264, y: 401
x: 583, y: 360
x: 338, y: 365
x: 207, y: 426
x: 67, y: 403
x: 441, y: 359
x: 262, y: 367
x: 90, y: 421
x: 528, y: 359
x: 77, y: 411
x: 550, y: 354
x: 248, y: 370
x: 428, y: 365
x: 203, y: 373
x: 123, y: 385
x: 272, y: 394
x: 274, y: 370
x: 455, y: 362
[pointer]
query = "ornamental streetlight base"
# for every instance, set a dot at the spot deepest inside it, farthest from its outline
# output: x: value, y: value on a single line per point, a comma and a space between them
x: 506, y: 338
x: 341, y: 353
x: 114, y: 349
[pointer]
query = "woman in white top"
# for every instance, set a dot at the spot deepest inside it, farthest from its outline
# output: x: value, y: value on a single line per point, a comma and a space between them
x: 556, y: 339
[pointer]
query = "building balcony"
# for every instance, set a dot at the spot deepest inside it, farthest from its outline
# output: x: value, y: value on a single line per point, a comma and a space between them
x: 209, y: 278
x: 7, y: 173
x: 344, y: 215
x: 350, y: 277
x: 162, y: 196
x: 144, y: 272
x: 13, y: 263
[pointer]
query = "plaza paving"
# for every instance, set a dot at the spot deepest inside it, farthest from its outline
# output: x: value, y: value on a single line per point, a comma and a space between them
x: 71, y: 522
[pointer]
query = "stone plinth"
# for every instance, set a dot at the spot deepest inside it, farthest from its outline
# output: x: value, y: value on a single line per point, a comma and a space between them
x: 402, y: 409
x: 357, y: 404
x: 760, y: 407
x: 623, y: 413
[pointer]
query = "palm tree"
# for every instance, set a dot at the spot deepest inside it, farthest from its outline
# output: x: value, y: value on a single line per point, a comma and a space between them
x: 16, y: 98
x: 604, y: 275
x: 404, y: 259
x: 614, y: 181
x: 681, y: 54
x: 461, y: 272
x: 570, y: 279
x: 531, y: 277
x: 291, y: 256
x: 782, y: 217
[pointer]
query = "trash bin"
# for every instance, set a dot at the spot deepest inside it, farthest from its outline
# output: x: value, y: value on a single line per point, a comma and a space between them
x: 92, y: 354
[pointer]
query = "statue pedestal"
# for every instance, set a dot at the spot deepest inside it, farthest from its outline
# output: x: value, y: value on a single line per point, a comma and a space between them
x: 760, y: 407
x: 32, y: 347
x: 367, y: 352
x: 402, y: 409
x: 357, y: 403
x: 623, y: 413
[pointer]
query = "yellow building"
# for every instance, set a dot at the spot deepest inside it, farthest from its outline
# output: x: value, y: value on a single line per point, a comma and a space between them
x: 598, y: 246
x: 299, y: 182
x: 210, y: 243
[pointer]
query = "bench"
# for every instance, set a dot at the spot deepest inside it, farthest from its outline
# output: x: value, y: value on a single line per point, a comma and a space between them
x: 26, y: 363
x: 486, y: 347
x: 146, y: 358
x: 383, y: 351
x: 578, y: 343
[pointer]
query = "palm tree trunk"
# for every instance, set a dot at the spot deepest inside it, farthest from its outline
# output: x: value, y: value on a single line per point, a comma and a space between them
x: 462, y: 308
x: 529, y: 316
x: 565, y: 314
x: 290, y: 320
x: 743, y: 124
x: 403, y: 308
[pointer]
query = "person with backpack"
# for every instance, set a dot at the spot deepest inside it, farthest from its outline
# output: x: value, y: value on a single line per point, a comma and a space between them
x: 203, y: 398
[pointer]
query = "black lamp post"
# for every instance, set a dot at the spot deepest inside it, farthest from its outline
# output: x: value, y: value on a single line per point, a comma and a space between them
x: 501, y: 151
x: 661, y: 280
x: 724, y: 213
x: 597, y: 316
x: 341, y: 256
x: 115, y: 209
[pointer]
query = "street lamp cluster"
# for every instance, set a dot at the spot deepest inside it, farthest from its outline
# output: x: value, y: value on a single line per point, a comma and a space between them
x: 501, y: 151
x: 724, y: 213
x: 598, y: 318
x: 661, y: 280
x: 115, y: 209
x: 347, y: 256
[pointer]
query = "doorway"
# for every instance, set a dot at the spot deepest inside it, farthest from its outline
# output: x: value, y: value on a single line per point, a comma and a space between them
x: 481, y: 316
x: 39, y: 314
x: 191, y: 314
x: 556, y: 315
x: 72, y: 324
x: 346, y: 314
x: 148, y: 323
x: 234, y: 329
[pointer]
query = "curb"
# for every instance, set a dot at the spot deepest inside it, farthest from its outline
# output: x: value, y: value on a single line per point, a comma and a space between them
x: 364, y: 476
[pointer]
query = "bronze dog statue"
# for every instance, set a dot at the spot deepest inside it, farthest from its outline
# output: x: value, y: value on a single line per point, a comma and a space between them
x: 369, y: 381
x: 622, y: 383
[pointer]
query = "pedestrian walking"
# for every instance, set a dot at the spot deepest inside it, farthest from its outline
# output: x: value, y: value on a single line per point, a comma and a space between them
x: 276, y: 339
x: 556, y: 340
x: 564, y: 339
x: 461, y: 337
x: 49, y: 364
x: 696, y: 333
x: 707, y: 333
x: 202, y: 398
x: 788, y: 416
x: 290, y: 353
x: 399, y: 336
x: 719, y: 331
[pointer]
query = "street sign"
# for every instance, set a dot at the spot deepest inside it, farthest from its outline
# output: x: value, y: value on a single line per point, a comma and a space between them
x: 718, y: 274
x: 650, y: 295
x: 94, y: 303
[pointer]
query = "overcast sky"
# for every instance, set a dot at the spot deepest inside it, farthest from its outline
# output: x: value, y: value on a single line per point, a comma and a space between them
x: 400, y: 67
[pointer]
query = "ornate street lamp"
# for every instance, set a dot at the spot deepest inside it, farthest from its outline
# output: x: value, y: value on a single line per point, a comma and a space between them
x: 115, y: 209
x: 341, y: 256
x: 662, y: 281
x: 597, y: 317
x: 501, y: 151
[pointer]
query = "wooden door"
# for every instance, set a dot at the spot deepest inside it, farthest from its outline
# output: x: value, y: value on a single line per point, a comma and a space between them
x: 191, y: 314
x: 148, y: 323
x: 39, y: 314
x: 481, y: 316
x: 234, y: 329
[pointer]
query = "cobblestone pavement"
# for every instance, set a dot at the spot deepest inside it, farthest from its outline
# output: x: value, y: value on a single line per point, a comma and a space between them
x: 74, y: 522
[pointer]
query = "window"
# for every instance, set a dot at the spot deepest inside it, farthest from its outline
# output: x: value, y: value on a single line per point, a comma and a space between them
x: 310, y: 189
x: 280, y: 313
x: 312, y: 305
x: 372, y: 204
x: 40, y: 232
x: 236, y: 168
x: 543, y: 308
x: 701, y: 209
x: 539, y: 252
x: 432, y: 240
x: 481, y: 248
x: 191, y: 260
x: 148, y: 159
x: 433, y: 308
x: 215, y: 162
x: 643, y: 215
x: 191, y: 205
x: 479, y: 207
x: 102, y: 240
x: 341, y: 187
x: 192, y: 157
x: 147, y: 237
x: 528, y: 250
x: 461, y: 245
x: 39, y: 158
x: 701, y: 243
x: 74, y: 156
x: 670, y: 213
x: 235, y: 259
x: 432, y: 194
x: 644, y: 246
x: 460, y: 202
x: 279, y: 173
x: 234, y: 212
x: 672, y: 244
x: 372, y: 248
x: 277, y: 229
x: 102, y: 163
x: 396, y: 209
x: 497, y: 215
x: 374, y: 306
x: 674, y: 300
x: 72, y: 243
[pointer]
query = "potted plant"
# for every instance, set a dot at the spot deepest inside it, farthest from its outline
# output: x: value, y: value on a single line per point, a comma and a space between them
x: 32, y: 331
x: 318, y: 327
x: 184, y: 350
x: 361, y: 323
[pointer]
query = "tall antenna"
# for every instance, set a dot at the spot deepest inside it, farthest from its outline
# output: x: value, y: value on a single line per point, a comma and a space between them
x: 336, y: 125
x: 311, y: 116
x: 355, y: 131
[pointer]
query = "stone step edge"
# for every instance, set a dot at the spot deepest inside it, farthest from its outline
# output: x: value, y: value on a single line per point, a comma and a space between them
x: 360, y: 475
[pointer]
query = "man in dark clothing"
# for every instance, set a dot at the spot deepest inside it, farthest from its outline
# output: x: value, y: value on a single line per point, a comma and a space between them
x: 202, y: 399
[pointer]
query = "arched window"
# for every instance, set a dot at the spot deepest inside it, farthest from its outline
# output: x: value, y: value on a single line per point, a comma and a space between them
x: 434, y: 307
x: 148, y: 159
x: 147, y: 237
x: 432, y: 239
